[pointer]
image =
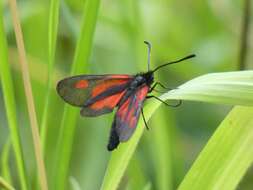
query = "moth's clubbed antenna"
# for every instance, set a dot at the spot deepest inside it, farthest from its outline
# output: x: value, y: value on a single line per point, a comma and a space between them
x: 149, y: 53
x: 172, y: 62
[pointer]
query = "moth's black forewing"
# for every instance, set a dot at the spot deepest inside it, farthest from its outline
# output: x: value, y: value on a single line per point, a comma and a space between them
x: 76, y: 90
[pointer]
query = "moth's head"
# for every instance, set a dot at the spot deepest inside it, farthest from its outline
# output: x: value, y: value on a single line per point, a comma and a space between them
x: 149, y: 77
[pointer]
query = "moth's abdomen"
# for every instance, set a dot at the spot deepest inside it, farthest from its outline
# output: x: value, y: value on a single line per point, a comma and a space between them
x: 114, y: 138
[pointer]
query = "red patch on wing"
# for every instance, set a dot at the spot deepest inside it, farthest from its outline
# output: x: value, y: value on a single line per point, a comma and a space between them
x: 140, y: 96
x: 109, y: 102
x: 123, y: 109
x: 142, y: 93
x: 81, y: 84
x: 128, y: 114
x: 107, y: 84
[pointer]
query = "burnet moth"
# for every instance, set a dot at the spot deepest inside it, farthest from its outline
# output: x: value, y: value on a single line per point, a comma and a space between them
x: 100, y: 94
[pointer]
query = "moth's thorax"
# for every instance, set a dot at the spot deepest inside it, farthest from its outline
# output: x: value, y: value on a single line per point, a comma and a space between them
x: 139, y: 80
x: 147, y: 78
x: 142, y: 79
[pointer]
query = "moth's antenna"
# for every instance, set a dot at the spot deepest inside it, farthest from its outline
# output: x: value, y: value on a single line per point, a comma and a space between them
x: 182, y: 59
x: 149, y: 53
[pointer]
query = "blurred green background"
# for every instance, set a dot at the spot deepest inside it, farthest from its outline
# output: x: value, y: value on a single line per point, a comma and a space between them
x: 210, y: 29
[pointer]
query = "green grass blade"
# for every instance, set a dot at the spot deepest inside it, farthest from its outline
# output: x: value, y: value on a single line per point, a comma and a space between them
x: 5, y: 185
x: 161, y: 135
x: 234, y: 88
x: 10, y: 105
x: 52, y: 35
x: 50, y: 89
x: 81, y: 60
x: 227, y: 155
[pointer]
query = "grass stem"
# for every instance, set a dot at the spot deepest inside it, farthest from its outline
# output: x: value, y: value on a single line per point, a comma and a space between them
x: 29, y: 95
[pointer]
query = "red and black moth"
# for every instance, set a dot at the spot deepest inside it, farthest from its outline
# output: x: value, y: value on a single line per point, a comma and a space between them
x: 100, y: 94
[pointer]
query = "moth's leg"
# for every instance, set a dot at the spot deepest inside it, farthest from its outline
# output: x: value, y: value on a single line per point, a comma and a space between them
x: 160, y: 84
x: 175, y: 105
x: 146, y: 125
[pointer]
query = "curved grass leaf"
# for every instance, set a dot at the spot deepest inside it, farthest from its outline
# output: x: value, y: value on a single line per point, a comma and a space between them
x: 227, y: 155
x: 233, y: 88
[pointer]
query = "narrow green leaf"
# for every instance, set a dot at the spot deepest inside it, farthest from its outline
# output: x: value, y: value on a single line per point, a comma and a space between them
x: 234, y: 88
x: 10, y: 105
x: 227, y: 155
x: 52, y: 36
x: 80, y: 65
x: 50, y: 89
